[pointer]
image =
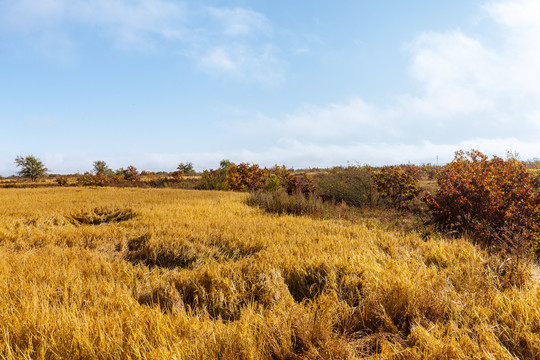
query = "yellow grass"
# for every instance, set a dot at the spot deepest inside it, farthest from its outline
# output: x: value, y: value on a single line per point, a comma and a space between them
x: 171, y: 274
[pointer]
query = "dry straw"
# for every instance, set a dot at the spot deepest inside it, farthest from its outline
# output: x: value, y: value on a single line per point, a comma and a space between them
x: 165, y: 274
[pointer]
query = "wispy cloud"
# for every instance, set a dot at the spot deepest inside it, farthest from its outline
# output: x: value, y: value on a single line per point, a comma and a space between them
x: 306, y: 154
x: 242, y: 62
x: 469, y: 92
x: 127, y: 22
x: 227, y: 42
x: 240, y: 22
x: 290, y: 153
x: 240, y: 47
x: 335, y: 122
x: 467, y: 89
x: 219, y: 59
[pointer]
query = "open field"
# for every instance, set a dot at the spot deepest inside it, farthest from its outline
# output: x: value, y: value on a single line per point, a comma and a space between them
x: 162, y: 273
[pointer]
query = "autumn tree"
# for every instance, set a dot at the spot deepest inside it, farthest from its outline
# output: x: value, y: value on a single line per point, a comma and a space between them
x: 396, y: 184
x: 245, y: 177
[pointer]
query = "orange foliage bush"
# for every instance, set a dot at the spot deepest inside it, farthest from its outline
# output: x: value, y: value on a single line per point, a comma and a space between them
x: 118, y: 179
x: 395, y: 184
x: 148, y: 174
x: 177, y: 176
x: 280, y: 177
x: 414, y: 170
x: 62, y: 180
x: 303, y: 184
x: 491, y: 199
x: 131, y: 174
x: 88, y: 179
x: 244, y: 177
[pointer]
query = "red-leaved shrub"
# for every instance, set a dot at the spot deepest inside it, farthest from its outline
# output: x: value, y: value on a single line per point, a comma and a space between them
x: 493, y: 200
x: 132, y: 174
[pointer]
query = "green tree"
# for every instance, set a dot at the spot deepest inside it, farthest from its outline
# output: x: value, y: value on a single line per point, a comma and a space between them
x: 101, y: 167
x: 224, y: 166
x: 215, y: 179
x: 31, y: 167
x: 187, y: 168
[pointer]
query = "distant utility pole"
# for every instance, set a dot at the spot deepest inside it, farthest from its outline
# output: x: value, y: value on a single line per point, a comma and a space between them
x: 437, y: 160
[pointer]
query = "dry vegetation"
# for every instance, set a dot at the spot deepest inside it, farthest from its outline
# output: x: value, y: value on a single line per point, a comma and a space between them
x: 125, y: 273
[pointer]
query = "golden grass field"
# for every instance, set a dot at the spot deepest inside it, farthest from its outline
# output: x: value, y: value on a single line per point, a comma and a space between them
x: 108, y: 273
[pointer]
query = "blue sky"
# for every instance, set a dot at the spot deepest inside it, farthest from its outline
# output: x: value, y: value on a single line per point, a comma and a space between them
x: 153, y: 83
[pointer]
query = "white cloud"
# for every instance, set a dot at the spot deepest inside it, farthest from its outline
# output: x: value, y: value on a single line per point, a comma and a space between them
x: 242, y: 62
x: 456, y: 73
x: 330, y: 122
x: 300, y: 154
x: 240, y: 22
x: 239, y: 48
x: 305, y: 154
x: 472, y: 92
x: 519, y: 15
x: 128, y: 22
x: 234, y: 45
x: 477, y: 85
x: 290, y: 153
x: 321, y: 124
x: 468, y: 88
x: 218, y: 58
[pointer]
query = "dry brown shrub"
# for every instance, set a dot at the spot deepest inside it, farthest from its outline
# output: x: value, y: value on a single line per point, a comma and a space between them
x: 492, y: 200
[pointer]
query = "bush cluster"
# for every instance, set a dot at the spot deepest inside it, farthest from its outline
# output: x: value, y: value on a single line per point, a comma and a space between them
x: 397, y: 184
x: 213, y: 180
x: 492, y: 200
x: 352, y: 185
x: 245, y: 176
x: 131, y: 174
x: 88, y: 179
x: 279, y: 177
x: 62, y: 180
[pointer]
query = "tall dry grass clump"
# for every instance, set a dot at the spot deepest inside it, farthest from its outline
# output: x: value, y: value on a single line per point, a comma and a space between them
x: 201, y: 275
x: 280, y: 202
